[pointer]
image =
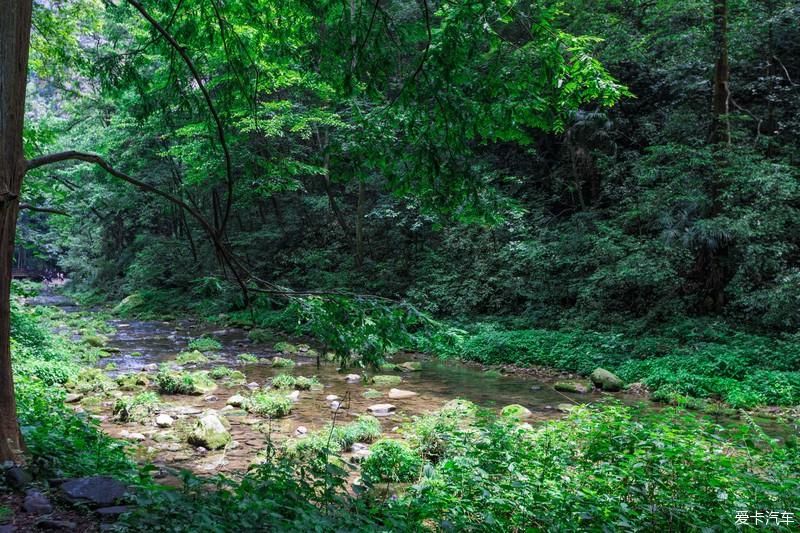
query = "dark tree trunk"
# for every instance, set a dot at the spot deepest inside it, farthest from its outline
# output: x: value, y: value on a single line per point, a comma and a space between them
x: 15, y: 27
x: 720, y: 126
x: 712, y: 261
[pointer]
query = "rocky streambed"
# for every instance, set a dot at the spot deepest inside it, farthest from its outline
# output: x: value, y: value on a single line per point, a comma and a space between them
x: 189, y: 396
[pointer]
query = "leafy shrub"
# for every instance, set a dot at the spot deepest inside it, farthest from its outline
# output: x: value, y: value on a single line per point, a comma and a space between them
x: 205, y: 344
x: 605, y: 467
x: 91, y: 380
x: 50, y: 372
x: 391, y: 461
x: 365, y: 428
x: 193, y: 357
x: 138, y: 408
x: 284, y: 381
x: 169, y: 382
x: 247, y: 358
x: 272, y: 405
x: 285, y: 347
x: 280, y: 362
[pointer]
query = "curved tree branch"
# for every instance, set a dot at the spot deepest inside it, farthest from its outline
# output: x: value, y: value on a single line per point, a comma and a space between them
x: 207, y: 96
x: 72, y: 155
x: 38, y: 209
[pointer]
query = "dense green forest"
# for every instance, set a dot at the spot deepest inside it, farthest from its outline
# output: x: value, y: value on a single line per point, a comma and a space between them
x: 399, y: 265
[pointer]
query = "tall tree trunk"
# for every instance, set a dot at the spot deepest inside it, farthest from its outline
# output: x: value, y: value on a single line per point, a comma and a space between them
x: 15, y: 28
x: 711, y: 261
x: 720, y: 126
x: 360, y: 225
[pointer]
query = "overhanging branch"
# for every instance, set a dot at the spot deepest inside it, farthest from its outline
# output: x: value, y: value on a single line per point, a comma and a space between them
x: 211, y: 108
x: 39, y: 209
x: 72, y: 155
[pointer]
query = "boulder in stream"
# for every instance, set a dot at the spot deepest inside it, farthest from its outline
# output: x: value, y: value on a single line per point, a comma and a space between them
x: 400, y: 394
x: 237, y: 400
x: 580, y: 387
x: 608, y: 381
x: 381, y: 409
x: 386, y: 380
x: 410, y: 366
x: 164, y: 421
x: 515, y: 411
x: 210, y: 432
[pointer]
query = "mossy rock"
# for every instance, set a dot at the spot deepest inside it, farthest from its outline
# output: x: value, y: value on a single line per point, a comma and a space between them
x: 578, y: 387
x: 371, y: 394
x: 194, y: 357
x: 459, y: 408
x: 285, y: 347
x: 608, y: 381
x: 389, y: 367
x: 386, y: 380
x: 280, y: 362
x: 260, y: 336
x: 184, y: 382
x: 95, y: 341
x: 410, y: 366
x: 129, y: 303
x: 515, y: 411
x: 210, y: 432
x: 247, y: 358
x: 203, y: 383
x: 133, y: 382
x: 91, y: 380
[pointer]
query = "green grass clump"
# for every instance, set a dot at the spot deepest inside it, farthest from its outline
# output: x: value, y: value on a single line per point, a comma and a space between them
x: 285, y: 347
x: 280, y: 362
x: 194, y: 357
x: 272, y: 405
x: 260, y: 336
x: 306, y: 383
x: 91, y: 380
x: 133, y: 382
x: 139, y: 408
x: 386, y: 380
x: 365, y: 428
x: 169, y: 382
x: 247, y: 358
x: 284, y: 381
x: 205, y: 344
x: 287, y: 381
x: 391, y: 461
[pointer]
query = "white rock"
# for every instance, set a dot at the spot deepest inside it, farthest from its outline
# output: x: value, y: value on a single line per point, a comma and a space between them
x: 152, y: 367
x: 301, y: 430
x: 335, y: 405
x: 358, y: 446
x: 294, y: 396
x: 253, y: 385
x: 237, y: 400
x: 164, y: 421
x: 381, y: 409
x: 331, y: 397
x: 352, y: 378
x: 399, y: 394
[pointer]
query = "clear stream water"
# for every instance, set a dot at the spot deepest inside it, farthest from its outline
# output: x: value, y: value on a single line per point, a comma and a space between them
x: 160, y: 342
